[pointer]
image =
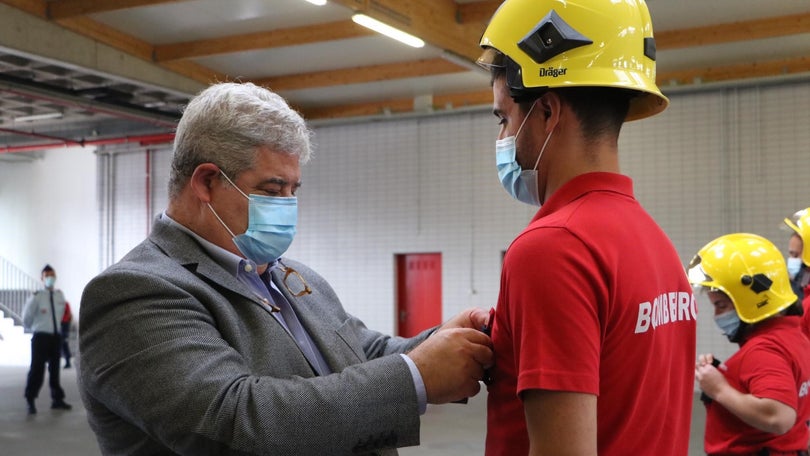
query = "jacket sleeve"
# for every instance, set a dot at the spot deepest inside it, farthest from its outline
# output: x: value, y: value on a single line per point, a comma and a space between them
x: 155, y: 357
x: 29, y: 312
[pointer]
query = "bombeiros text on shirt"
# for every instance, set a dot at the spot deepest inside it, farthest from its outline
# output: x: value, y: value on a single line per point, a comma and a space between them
x: 666, y: 308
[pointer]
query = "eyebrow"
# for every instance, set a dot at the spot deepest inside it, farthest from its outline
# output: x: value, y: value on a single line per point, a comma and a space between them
x: 281, y: 182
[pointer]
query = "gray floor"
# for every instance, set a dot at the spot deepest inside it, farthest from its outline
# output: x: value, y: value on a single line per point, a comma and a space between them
x: 459, y: 430
x: 447, y: 430
x: 49, y: 431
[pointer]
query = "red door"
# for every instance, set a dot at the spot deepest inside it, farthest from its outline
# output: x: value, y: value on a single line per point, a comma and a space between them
x: 419, y: 292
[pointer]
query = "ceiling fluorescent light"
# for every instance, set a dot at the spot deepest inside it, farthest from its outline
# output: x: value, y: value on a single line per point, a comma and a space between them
x: 317, y: 2
x: 35, y: 117
x: 387, y: 30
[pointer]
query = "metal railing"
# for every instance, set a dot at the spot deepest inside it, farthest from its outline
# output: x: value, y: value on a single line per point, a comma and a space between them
x: 15, y: 288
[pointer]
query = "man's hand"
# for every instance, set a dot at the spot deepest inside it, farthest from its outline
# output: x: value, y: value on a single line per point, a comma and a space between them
x: 452, y: 360
x: 473, y: 318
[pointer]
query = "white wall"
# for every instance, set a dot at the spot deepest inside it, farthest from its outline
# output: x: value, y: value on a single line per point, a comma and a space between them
x: 407, y: 186
x: 714, y: 162
x: 49, y: 214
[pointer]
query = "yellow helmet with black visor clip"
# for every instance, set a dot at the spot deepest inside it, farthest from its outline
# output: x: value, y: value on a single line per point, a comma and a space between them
x: 548, y: 44
x: 747, y: 268
x: 799, y: 223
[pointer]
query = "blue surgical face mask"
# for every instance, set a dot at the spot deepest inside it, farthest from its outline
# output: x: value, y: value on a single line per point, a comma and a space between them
x: 794, y: 265
x: 728, y: 322
x: 271, y: 226
x: 521, y: 184
x: 49, y: 281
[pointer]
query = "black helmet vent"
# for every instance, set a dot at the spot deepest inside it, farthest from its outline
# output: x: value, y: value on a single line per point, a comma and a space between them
x: 551, y: 37
x: 758, y: 283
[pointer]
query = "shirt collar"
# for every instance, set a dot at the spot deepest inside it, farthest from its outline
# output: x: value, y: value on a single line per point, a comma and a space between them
x: 231, y: 262
x: 583, y: 184
x: 773, y: 324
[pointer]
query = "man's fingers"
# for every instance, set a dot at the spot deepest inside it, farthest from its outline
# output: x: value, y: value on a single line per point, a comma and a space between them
x: 475, y: 336
x: 479, y: 318
x: 483, y: 355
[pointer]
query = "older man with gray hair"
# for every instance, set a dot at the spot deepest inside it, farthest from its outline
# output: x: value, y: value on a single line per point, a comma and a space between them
x: 205, y: 340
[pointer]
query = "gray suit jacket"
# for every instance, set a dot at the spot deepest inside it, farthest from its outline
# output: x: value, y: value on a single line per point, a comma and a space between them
x: 178, y: 356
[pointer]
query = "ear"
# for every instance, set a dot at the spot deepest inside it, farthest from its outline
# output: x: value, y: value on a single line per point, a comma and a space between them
x: 203, y: 180
x: 551, y: 105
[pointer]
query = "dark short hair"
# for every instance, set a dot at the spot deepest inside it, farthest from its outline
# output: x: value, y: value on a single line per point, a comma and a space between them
x: 47, y: 268
x: 600, y: 110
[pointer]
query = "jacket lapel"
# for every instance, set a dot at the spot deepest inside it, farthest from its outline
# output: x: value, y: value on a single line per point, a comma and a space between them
x: 186, y: 251
x: 335, y: 349
x: 177, y: 244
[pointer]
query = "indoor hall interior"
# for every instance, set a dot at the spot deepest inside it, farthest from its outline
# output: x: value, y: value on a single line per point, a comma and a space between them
x: 404, y: 160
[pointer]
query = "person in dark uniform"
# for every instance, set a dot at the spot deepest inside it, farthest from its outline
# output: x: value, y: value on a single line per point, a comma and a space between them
x: 40, y: 317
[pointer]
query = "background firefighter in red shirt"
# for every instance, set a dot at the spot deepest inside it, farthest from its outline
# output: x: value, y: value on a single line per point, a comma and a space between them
x: 798, y: 262
x: 758, y: 401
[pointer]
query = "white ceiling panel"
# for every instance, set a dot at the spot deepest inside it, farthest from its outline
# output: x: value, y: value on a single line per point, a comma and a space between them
x: 135, y: 67
x: 307, y: 58
x: 199, y: 19
x: 391, y: 90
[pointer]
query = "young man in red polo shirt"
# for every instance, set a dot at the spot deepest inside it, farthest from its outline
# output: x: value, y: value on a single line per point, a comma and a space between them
x: 594, y: 330
x: 757, y: 400
x: 798, y: 262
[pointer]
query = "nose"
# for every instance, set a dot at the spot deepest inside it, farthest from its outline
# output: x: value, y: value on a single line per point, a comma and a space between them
x: 288, y: 191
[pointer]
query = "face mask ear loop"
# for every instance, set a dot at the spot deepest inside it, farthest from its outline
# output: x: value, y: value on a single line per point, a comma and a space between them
x: 220, y: 220
x: 543, y: 149
x: 215, y: 212
x: 525, y: 119
x: 234, y: 185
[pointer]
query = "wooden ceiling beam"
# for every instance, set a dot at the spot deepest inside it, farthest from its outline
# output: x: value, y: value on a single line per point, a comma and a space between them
x: 732, y: 32
x: 483, y: 97
x: 136, y: 47
x: 399, y: 106
x: 358, y: 75
x: 111, y: 37
x: 762, y: 69
x: 442, y: 23
x: 38, y: 8
x: 460, y: 100
x: 62, y: 9
x: 330, y: 31
x: 477, y: 12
